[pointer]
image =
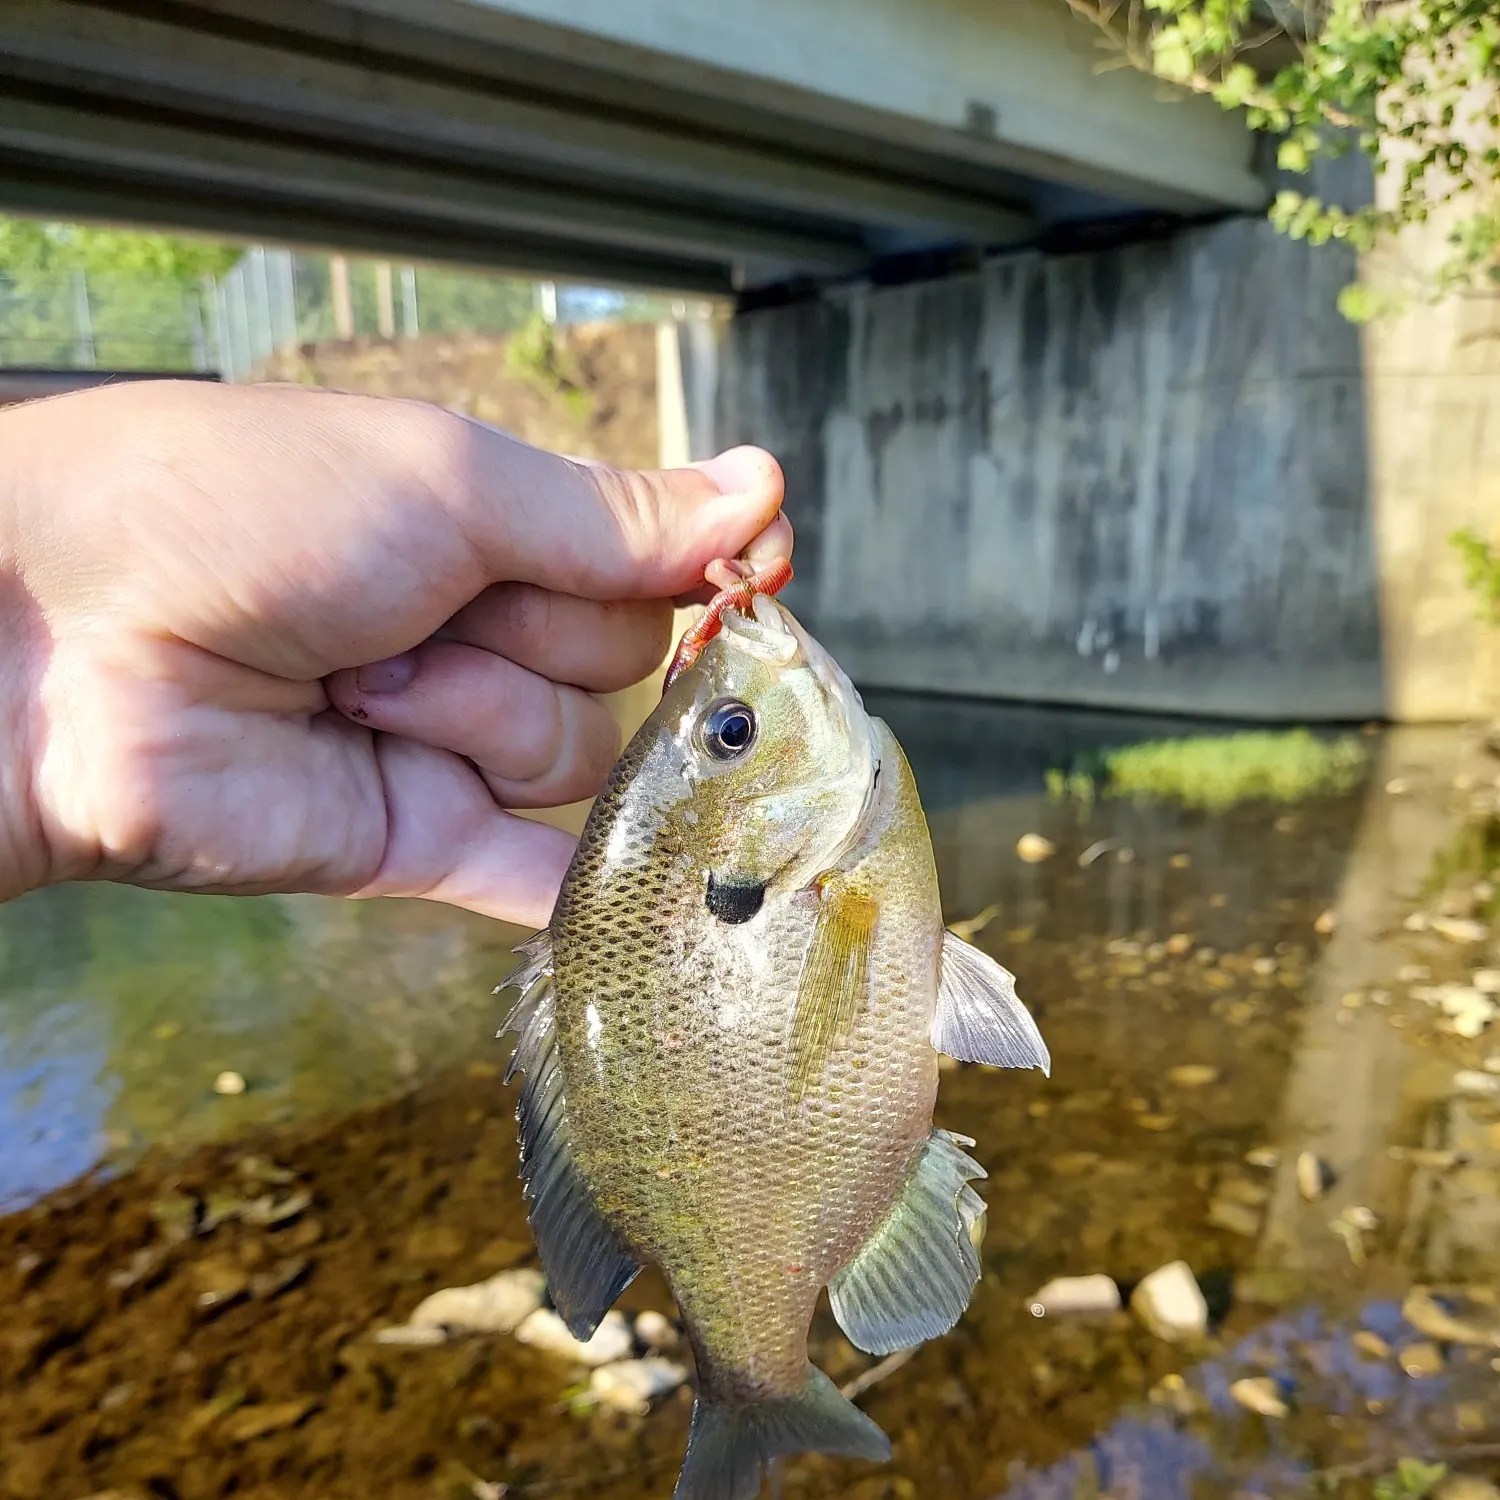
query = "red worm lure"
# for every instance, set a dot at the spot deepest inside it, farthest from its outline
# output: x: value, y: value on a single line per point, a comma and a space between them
x: 739, y: 594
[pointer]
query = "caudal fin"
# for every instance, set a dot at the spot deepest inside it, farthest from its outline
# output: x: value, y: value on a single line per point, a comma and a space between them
x: 731, y: 1442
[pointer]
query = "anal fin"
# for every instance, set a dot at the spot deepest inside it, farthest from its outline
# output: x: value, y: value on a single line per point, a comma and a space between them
x: 586, y: 1264
x: 912, y: 1279
x: 979, y: 1017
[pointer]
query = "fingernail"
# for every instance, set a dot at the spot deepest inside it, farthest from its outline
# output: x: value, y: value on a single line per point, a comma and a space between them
x: 743, y: 473
x: 388, y: 676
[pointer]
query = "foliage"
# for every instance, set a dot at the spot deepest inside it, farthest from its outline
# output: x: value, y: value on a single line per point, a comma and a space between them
x: 1414, y: 85
x: 537, y: 357
x: 1481, y: 561
x: 71, y: 294
x: 1411, y: 1479
x: 1215, y: 772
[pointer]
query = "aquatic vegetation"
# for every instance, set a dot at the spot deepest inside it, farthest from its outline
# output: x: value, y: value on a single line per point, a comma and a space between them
x: 1411, y: 1479
x: 1215, y: 772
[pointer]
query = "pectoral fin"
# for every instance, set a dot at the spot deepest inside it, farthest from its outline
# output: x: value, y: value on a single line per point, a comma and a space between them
x: 586, y: 1264
x: 912, y: 1279
x: 835, y: 982
x: 979, y: 1018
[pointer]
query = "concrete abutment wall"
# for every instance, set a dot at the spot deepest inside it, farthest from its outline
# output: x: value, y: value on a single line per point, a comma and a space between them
x: 1164, y: 477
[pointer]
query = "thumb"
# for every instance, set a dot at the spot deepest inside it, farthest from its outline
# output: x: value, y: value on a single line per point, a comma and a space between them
x: 589, y: 529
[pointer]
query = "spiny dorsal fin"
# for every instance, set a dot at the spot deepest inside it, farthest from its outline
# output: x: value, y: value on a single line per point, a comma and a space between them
x: 835, y: 980
x: 979, y: 1018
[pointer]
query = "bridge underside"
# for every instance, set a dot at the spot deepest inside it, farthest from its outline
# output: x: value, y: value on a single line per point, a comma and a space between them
x: 465, y: 132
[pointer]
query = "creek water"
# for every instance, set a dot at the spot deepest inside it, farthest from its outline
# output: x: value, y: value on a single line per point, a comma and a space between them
x: 1221, y: 991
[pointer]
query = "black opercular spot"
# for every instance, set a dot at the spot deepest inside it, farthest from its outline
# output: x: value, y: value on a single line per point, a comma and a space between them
x: 734, y: 901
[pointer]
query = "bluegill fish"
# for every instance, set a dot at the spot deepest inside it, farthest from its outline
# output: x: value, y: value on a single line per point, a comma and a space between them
x: 730, y: 1034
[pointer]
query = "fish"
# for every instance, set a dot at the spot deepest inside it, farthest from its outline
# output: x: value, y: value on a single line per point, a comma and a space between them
x: 729, y: 1033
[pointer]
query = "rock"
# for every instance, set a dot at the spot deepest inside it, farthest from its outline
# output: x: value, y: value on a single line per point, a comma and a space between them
x: 1264, y: 1157
x: 412, y: 1335
x: 1468, y: 1081
x: 1238, y: 1190
x: 1259, y: 1394
x: 1427, y: 1315
x: 499, y: 1305
x: 251, y: 1422
x: 633, y: 1384
x: 1413, y: 973
x: 1325, y: 923
x: 1421, y: 1360
x: 270, y: 1210
x: 1178, y: 944
x: 1431, y: 1159
x: 1237, y: 1218
x: 219, y: 1283
x: 1459, y: 929
x: 229, y: 1083
x: 1170, y: 1303
x: 657, y: 1331
x: 1192, y: 1075
x: 1077, y: 1294
x: 1465, y: 1487
x: 611, y: 1340
x: 1471, y: 1416
x: 1032, y: 848
x: 281, y: 1277
x: 1371, y: 1344
x: 1157, y: 1123
x: 1314, y: 1176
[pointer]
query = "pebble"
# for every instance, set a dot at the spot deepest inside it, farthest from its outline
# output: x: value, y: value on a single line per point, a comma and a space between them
x: 633, y: 1384
x: 1264, y: 1157
x: 1170, y: 1303
x: 1413, y: 973
x: 1432, y: 1159
x: 1077, y: 1294
x: 251, y: 1422
x: 1372, y: 1344
x: 1459, y: 929
x: 1259, y: 1394
x: 1033, y: 848
x: 1237, y: 1218
x: 1313, y: 1176
x: 1325, y: 923
x: 412, y: 1336
x: 499, y: 1305
x: 657, y: 1331
x: 1469, y: 1081
x: 1421, y: 1360
x: 1427, y: 1315
x: 1192, y: 1075
x: 611, y: 1341
x: 229, y: 1083
x: 1487, y: 981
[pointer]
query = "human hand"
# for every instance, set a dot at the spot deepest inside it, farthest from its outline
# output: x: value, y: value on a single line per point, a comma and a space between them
x: 268, y: 639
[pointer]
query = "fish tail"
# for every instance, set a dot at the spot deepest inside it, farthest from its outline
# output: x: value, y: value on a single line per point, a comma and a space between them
x: 731, y: 1441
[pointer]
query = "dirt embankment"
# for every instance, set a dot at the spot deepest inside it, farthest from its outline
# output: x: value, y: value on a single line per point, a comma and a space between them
x: 589, y: 389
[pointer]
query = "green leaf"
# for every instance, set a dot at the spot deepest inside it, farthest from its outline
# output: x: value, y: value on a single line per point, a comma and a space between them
x: 1292, y: 155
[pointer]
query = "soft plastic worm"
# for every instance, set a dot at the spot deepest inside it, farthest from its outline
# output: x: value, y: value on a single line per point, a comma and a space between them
x: 741, y: 595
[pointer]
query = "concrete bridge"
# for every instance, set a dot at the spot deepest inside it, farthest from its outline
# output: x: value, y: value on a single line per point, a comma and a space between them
x: 1063, y: 418
x: 702, y: 147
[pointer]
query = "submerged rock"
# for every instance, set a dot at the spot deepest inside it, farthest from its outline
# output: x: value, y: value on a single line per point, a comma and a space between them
x: 1192, y: 1075
x: 1259, y: 1394
x: 657, y: 1331
x: 1077, y: 1294
x: 1314, y: 1176
x: 251, y: 1422
x: 499, y: 1305
x: 229, y: 1083
x: 1033, y: 848
x: 412, y: 1335
x: 1170, y: 1303
x: 1237, y: 1218
x: 611, y: 1341
x: 1459, y: 929
x: 633, y: 1384
x: 1371, y: 1344
x: 1427, y: 1315
x: 1421, y: 1360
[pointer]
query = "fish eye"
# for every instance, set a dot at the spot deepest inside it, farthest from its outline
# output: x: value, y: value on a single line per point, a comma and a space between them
x: 729, y: 731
